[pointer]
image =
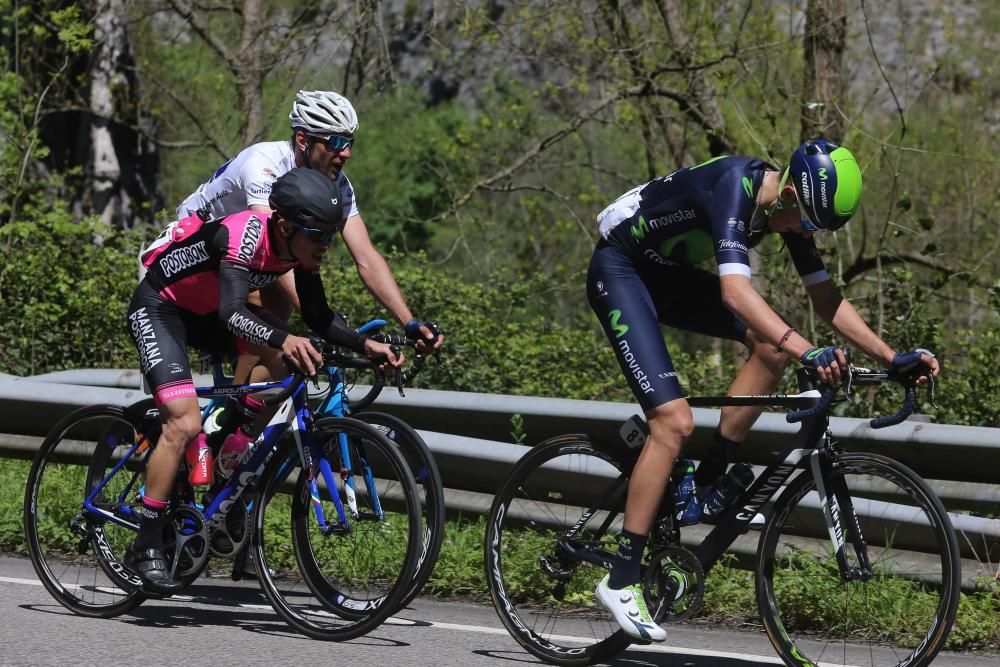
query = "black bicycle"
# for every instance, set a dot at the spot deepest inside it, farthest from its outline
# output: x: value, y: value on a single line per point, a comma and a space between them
x: 864, y: 527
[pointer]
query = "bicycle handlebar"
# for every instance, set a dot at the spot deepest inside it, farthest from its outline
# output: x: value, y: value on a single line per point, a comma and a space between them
x: 858, y: 375
x: 821, y: 405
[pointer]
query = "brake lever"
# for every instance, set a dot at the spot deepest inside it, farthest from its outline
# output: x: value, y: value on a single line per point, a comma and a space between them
x: 397, y: 374
x: 931, y: 383
x: 849, y: 384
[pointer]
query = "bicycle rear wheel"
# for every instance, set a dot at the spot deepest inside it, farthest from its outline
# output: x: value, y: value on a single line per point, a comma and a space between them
x: 902, y: 614
x: 365, y: 570
x: 568, y: 482
x: 429, y: 485
x: 76, y: 553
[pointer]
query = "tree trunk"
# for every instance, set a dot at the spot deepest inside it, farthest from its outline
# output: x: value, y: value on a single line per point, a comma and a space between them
x: 824, y: 83
x: 108, y: 200
x: 250, y: 79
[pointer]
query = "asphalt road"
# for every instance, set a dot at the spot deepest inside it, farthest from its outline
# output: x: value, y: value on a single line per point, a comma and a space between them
x: 224, y: 623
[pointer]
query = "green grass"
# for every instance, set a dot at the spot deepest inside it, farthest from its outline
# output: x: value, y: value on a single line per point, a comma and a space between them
x: 729, y: 593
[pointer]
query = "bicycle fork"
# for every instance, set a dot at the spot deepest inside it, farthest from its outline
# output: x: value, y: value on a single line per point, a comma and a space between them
x: 840, y: 514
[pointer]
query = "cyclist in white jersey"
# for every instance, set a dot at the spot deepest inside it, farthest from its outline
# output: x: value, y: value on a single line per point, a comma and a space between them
x: 323, y: 126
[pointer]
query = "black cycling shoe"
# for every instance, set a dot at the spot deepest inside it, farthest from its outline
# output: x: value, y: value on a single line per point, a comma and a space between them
x: 151, y: 566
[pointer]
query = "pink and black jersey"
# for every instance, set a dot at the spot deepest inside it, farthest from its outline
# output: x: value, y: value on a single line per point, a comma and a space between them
x: 199, y: 274
x: 183, y: 263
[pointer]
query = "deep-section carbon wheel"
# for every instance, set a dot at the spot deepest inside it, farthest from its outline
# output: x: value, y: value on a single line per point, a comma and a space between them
x: 902, y: 612
x: 425, y: 472
x: 77, y: 553
x: 342, y: 584
x: 543, y: 594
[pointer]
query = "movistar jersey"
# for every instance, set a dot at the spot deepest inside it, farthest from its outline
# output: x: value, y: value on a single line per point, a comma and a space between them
x: 699, y: 213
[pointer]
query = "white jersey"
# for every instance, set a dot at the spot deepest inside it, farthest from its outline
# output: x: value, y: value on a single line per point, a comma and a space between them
x: 246, y: 181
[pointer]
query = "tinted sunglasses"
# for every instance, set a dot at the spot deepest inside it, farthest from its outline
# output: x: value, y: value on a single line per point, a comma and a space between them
x: 320, y: 236
x: 337, y: 142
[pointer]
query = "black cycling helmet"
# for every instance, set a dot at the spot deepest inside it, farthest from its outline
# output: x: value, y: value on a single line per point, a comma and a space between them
x: 307, y: 197
x: 827, y: 182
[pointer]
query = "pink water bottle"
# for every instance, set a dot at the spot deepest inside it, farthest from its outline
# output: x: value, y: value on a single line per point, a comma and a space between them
x: 199, y: 461
x: 233, y: 450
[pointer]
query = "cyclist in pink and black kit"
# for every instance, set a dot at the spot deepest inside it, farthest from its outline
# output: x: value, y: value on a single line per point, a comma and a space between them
x: 199, y: 275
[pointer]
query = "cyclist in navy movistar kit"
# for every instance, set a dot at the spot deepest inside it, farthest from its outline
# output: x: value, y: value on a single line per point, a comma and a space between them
x: 199, y: 275
x: 643, y: 273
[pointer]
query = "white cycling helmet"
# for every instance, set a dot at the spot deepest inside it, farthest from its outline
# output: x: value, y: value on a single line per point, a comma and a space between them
x: 323, y: 112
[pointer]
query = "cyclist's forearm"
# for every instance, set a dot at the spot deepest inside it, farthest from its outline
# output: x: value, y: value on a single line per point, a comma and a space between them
x: 848, y: 323
x: 741, y: 298
x: 378, y: 278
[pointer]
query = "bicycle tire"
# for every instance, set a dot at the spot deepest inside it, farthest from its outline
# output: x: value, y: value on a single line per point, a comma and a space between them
x: 898, y: 514
x: 308, y: 598
x: 77, y: 556
x: 428, y: 478
x: 546, y: 493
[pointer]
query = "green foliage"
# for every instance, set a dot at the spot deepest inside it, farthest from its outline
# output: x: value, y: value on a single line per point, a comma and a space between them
x: 64, y: 288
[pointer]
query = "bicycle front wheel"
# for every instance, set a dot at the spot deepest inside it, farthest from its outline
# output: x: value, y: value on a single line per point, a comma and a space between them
x: 566, y: 493
x: 428, y: 478
x: 902, y: 612
x: 77, y: 553
x: 343, y: 579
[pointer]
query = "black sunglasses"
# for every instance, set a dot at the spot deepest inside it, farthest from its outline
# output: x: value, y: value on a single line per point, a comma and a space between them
x: 337, y: 142
x: 320, y: 236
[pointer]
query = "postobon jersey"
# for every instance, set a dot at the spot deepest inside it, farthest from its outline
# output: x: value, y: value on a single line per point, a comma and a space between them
x: 183, y: 263
x: 698, y: 213
x: 246, y: 181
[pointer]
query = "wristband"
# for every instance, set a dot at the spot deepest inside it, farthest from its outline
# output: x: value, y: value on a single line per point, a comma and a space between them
x: 784, y: 339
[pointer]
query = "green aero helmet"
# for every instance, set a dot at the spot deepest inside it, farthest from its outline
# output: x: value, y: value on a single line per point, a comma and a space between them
x: 827, y: 181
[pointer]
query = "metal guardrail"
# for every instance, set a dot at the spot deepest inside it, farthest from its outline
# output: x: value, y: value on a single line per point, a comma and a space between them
x: 466, y: 433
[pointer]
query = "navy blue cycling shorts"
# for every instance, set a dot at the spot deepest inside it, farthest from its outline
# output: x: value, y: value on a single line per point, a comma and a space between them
x: 631, y: 302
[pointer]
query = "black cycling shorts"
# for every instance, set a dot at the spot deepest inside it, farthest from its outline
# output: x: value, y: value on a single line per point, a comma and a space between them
x: 162, y: 332
x: 631, y: 302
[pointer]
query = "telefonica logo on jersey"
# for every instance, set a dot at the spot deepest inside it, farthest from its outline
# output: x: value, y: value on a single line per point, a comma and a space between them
x: 729, y: 244
x: 183, y: 258
x: 642, y: 227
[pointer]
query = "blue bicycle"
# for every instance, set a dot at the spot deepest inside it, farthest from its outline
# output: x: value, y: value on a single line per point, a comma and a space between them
x: 335, y: 523
x: 345, y: 395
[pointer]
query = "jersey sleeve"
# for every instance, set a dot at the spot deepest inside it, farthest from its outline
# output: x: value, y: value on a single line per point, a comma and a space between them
x: 730, y: 208
x: 257, y: 174
x: 806, y: 257
x: 318, y: 315
x: 235, y: 313
x: 347, y: 196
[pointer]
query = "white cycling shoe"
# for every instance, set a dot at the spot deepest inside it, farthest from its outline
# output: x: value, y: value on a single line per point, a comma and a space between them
x: 628, y: 607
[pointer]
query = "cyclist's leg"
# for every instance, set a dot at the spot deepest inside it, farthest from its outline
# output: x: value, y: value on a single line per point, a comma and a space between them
x: 700, y: 308
x: 622, y: 301
x: 159, y: 334
x: 760, y: 374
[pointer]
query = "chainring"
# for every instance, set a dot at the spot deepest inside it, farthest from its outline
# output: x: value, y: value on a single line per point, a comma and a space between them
x: 229, y: 538
x: 674, y: 585
x: 188, y: 547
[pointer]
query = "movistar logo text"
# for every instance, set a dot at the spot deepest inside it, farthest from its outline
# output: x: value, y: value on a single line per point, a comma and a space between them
x: 640, y: 229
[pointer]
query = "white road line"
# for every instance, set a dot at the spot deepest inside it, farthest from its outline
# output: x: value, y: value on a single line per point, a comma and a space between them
x: 458, y: 627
